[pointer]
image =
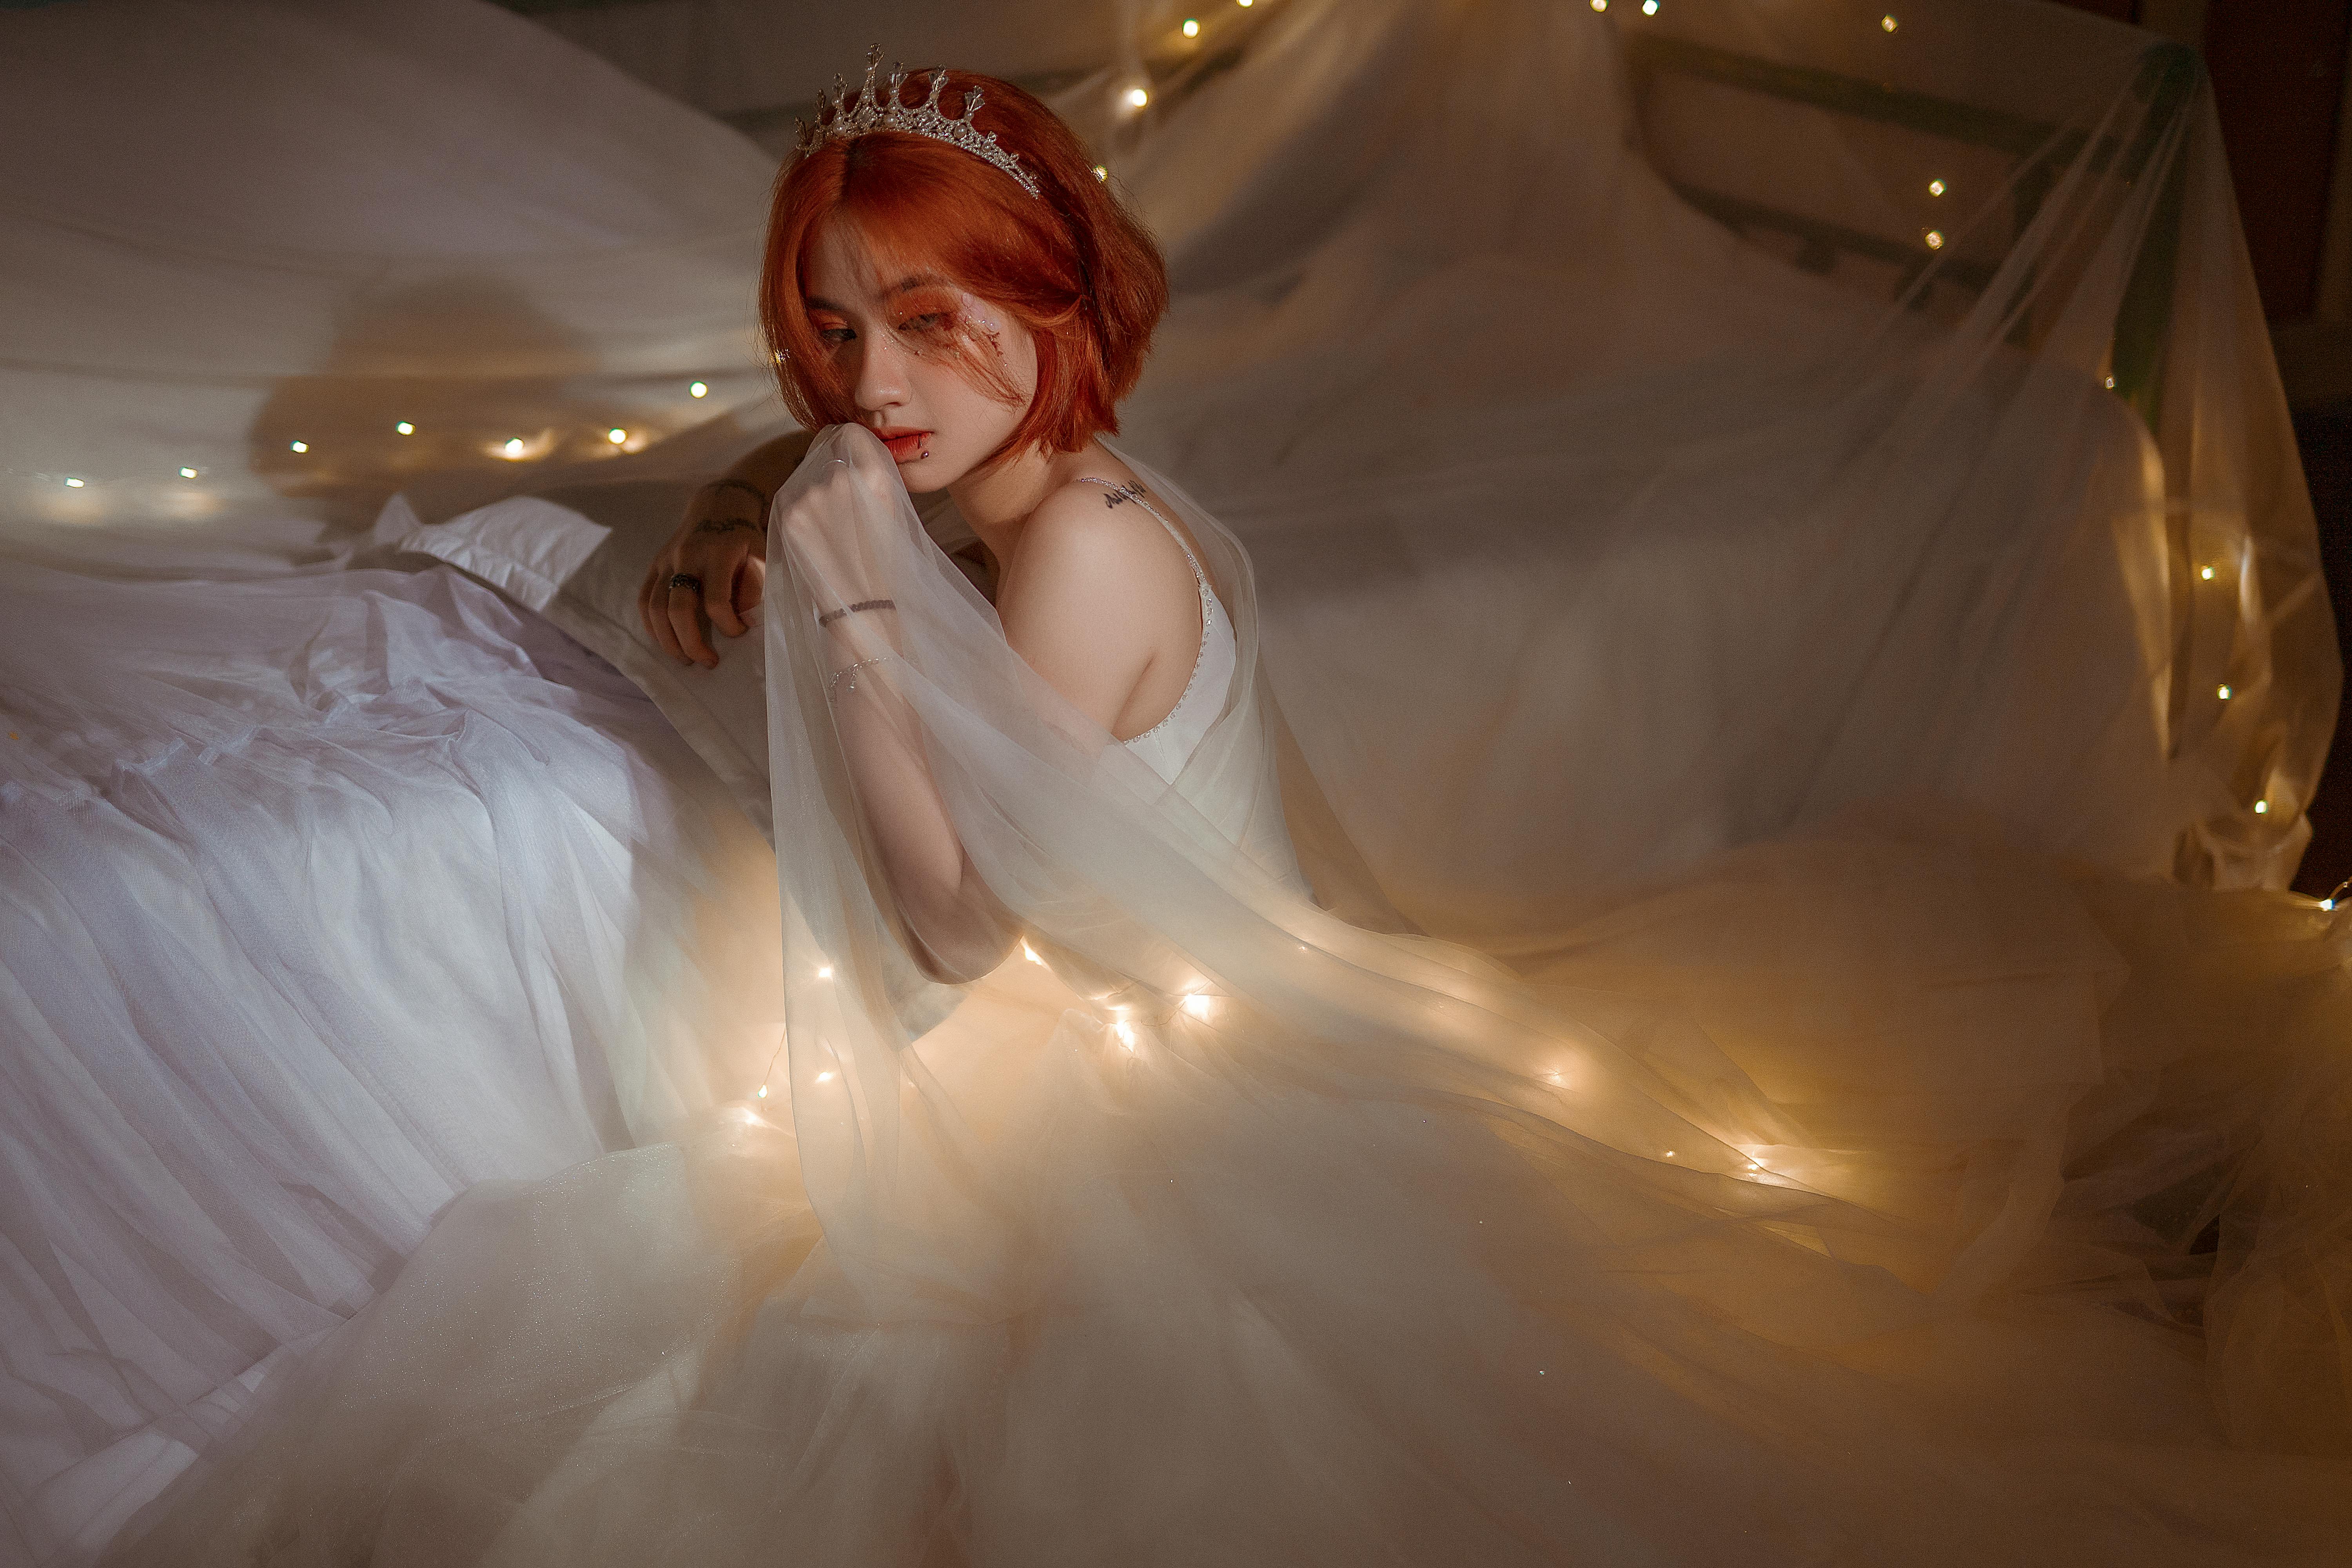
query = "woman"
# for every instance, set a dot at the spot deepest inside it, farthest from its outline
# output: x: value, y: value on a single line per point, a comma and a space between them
x: 1148, y: 1194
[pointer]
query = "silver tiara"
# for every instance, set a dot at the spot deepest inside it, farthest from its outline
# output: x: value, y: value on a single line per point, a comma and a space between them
x: 841, y: 118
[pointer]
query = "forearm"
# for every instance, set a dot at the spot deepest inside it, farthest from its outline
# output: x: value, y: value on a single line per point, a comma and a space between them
x: 766, y: 467
x: 962, y: 931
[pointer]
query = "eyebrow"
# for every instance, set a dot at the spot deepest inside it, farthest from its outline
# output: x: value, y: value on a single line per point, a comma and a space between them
x: 904, y: 286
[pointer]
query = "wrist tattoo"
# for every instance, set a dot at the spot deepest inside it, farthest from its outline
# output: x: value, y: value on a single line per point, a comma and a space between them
x: 728, y: 525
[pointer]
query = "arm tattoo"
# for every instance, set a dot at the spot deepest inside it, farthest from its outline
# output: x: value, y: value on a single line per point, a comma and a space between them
x: 727, y: 525
x: 1131, y: 491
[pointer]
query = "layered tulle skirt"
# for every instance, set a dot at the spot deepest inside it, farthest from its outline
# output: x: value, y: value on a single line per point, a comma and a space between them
x: 2049, y: 1268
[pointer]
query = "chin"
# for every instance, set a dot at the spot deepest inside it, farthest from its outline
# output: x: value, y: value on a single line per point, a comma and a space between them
x: 932, y: 473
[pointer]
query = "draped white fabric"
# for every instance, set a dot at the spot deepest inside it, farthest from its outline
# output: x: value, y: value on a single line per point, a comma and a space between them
x: 1589, y: 539
x: 1227, y: 1229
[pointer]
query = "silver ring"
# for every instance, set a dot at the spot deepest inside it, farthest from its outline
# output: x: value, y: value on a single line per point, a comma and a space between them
x: 685, y: 580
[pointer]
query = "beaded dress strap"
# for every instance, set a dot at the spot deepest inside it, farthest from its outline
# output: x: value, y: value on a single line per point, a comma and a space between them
x: 1135, y: 494
x: 1200, y: 580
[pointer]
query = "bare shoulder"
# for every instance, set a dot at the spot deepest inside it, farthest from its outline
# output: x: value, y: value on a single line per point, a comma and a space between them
x: 1092, y: 528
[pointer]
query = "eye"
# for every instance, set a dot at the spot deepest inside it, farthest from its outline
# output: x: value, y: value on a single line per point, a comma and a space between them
x: 834, y: 337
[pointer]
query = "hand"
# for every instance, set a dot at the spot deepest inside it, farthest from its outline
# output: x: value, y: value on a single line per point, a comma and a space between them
x: 824, y: 515
x: 723, y: 542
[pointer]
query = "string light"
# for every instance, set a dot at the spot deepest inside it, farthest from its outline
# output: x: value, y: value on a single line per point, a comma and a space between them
x: 1670, y: 1153
x: 405, y: 428
x: 74, y: 484
x: 1192, y: 27
x: 2111, y: 384
x: 826, y: 1076
x: 761, y: 1093
x: 1888, y: 24
x: 2223, y: 693
x: 297, y: 446
x: 1245, y: 5
x: 1601, y: 5
x: 513, y: 449
x: 2206, y: 572
x: 1935, y: 239
x: 1649, y: 7
x: 697, y: 389
x: 1935, y: 187
x: 1137, y: 98
x: 1101, y: 173
x: 2261, y: 808
x: 616, y: 435
x: 187, y: 473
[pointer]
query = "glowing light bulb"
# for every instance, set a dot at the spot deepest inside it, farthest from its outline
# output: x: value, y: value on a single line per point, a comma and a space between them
x: 762, y: 1093
x: 297, y: 446
x: 1649, y: 7
x: 2327, y: 903
x: 2222, y: 692
x: 1137, y: 98
x: 1670, y: 1153
x: 1101, y: 173
x: 1601, y: 5
x: 1935, y: 187
x: 824, y: 972
x: 1198, y: 1006
x: 1935, y: 239
x: 1888, y: 24
x: 697, y: 389
x: 2111, y: 384
x: 2261, y: 808
x: 187, y: 473
x: 513, y: 449
x: 826, y: 1076
x: 405, y: 428
x: 1192, y: 27
x: 616, y: 435
x: 1245, y: 5
x: 74, y: 484
x: 2206, y: 572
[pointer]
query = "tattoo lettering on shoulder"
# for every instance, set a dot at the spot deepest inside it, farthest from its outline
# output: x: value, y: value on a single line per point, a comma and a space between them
x: 726, y: 525
x: 1131, y: 491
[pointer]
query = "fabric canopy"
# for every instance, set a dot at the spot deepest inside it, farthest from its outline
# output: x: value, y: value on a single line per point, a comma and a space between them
x: 1744, y: 370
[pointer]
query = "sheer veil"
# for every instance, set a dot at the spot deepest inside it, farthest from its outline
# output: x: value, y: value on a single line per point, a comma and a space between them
x: 1180, y: 921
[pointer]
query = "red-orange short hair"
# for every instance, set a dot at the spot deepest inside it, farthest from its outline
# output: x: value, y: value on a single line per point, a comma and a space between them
x: 1070, y: 264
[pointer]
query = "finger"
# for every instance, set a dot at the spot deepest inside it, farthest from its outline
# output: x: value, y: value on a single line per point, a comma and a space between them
x: 751, y: 585
x: 686, y: 620
x: 645, y: 614
x: 658, y: 622
x: 718, y: 600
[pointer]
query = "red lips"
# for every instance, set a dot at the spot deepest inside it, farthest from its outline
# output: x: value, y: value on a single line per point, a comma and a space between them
x: 905, y: 442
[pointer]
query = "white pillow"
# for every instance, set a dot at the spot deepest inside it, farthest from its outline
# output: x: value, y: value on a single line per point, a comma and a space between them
x: 575, y: 553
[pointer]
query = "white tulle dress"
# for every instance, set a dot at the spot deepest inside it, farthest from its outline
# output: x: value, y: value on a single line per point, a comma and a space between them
x: 1814, y: 1209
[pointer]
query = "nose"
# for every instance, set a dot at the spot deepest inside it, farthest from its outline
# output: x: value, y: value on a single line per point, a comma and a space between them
x: 881, y: 382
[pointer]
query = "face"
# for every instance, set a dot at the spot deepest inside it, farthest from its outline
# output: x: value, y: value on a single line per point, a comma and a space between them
x: 905, y: 344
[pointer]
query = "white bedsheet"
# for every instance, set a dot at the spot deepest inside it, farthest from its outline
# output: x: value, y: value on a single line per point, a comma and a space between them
x: 324, y: 893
